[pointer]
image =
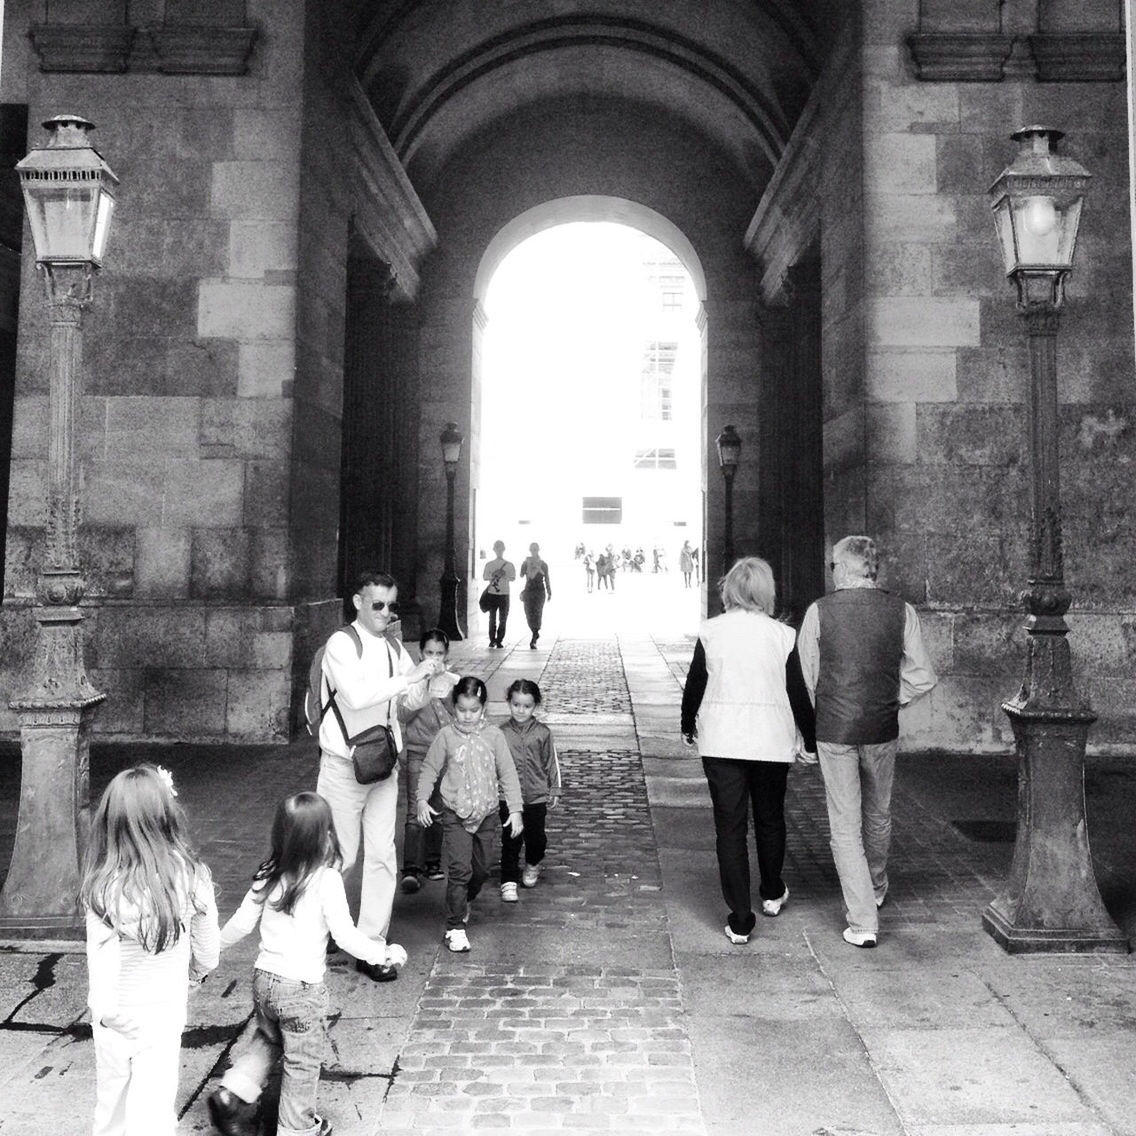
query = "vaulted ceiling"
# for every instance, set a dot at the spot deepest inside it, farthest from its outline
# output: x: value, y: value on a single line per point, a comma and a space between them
x: 737, y: 71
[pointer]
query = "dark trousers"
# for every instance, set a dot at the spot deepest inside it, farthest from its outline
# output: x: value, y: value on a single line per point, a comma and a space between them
x: 735, y: 787
x: 533, y: 839
x: 498, y: 617
x: 534, y: 609
x: 468, y: 856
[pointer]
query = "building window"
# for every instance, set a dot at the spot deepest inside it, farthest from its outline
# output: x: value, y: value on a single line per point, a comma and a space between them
x: 656, y: 384
x: 603, y: 510
x: 655, y: 459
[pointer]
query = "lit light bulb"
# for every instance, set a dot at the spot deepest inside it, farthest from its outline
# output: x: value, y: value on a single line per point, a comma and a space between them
x: 1040, y: 216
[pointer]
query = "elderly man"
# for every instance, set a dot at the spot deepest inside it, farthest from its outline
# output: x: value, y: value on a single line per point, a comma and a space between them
x: 862, y: 658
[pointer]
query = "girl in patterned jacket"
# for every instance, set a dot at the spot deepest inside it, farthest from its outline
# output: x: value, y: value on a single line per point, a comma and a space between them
x: 471, y: 759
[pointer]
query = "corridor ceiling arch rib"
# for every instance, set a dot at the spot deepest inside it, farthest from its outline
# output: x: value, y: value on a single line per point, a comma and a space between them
x: 437, y: 74
x: 587, y: 208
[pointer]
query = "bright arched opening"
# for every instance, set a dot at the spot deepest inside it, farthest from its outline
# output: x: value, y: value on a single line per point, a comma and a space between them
x: 591, y: 369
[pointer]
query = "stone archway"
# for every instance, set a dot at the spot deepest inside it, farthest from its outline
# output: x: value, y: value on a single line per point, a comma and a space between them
x: 551, y: 214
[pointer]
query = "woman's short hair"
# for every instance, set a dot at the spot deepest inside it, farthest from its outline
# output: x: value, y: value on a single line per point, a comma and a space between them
x: 749, y: 585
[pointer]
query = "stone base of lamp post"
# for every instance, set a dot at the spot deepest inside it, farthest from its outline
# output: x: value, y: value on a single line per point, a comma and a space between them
x: 449, y: 615
x: 40, y: 895
x: 1051, y: 902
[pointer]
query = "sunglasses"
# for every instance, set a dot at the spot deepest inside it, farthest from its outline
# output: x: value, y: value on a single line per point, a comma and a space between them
x: 378, y: 605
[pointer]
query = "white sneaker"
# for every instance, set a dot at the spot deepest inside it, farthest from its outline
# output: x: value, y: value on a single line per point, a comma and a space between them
x: 773, y: 906
x: 734, y: 937
x: 530, y: 874
x: 859, y: 938
x: 457, y: 940
x: 509, y: 892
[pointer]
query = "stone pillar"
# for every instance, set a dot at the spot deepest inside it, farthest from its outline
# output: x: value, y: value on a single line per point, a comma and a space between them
x: 369, y: 435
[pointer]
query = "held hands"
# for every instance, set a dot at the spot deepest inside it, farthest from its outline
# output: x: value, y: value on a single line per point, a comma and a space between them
x: 396, y: 955
x: 121, y: 1024
x: 553, y: 801
x: 515, y: 824
x: 688, y: 740
x: 428, y: 668
x: 426, y: 814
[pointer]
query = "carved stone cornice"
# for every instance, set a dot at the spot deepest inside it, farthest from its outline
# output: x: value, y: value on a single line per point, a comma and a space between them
x: 1079, y: 57
x: 188, y: 50
x: 390, y: 217
x: 83, y: 47
x: 960, y: 57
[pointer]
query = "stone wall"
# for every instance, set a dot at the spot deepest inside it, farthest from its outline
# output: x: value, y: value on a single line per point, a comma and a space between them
x: 187, y: 417
x: 926, y: 365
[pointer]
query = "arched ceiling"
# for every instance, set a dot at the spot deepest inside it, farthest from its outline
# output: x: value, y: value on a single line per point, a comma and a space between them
x: 738, y: 71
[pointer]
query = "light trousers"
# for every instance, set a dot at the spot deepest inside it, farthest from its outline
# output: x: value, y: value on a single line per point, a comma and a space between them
x: 857, y: 787
x: 366, y: 812
x: 137, y: 1081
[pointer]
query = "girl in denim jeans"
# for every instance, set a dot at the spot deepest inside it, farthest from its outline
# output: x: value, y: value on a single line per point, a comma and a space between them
x: 297, y: 897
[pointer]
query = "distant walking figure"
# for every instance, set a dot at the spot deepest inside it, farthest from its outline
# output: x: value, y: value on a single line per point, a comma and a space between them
x: 536, y: 590
x: 862, y: 657
x: 686, y: 563
x: 499, y: 572
x: 736, y: 703
x: 590, y: 570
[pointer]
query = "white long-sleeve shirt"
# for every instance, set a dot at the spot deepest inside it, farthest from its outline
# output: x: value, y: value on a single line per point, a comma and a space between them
x: 295, y: 946
x: 125, y: 979
x: 368, y: 687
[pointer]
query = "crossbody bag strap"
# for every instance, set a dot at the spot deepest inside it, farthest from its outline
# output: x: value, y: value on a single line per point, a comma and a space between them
x: 335, y: 706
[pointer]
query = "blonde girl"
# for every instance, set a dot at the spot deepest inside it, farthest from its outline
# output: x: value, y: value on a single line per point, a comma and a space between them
x: 151, y: 919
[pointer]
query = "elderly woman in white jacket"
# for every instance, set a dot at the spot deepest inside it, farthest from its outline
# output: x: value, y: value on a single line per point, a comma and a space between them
x: 736, y: 703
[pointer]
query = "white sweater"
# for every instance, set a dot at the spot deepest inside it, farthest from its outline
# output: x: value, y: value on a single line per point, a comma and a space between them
x: 295, y: 946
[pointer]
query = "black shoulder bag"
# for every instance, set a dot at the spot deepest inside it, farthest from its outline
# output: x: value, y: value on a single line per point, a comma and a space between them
x: 375, y: 754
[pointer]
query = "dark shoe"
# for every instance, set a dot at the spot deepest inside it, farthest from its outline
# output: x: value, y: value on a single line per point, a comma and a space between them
x: 532, y: 643
x: 434, y: 872
x: 376, y: 971
x: 410, y: 883
x: 231, y: 1115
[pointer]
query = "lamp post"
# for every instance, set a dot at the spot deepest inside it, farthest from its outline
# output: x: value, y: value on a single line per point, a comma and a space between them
x: 1051, y: 901
x: 729, y: 451
x: 451, y: 439
x: 69, y: 196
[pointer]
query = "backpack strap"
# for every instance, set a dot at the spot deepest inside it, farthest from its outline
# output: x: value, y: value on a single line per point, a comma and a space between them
x: 350, y: 629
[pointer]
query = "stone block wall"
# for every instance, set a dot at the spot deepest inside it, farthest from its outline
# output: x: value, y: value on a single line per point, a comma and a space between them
x: 187, y: 417
x: 926, y: 363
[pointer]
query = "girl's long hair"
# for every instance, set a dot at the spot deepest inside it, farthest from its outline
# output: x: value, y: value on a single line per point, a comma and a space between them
x: 139, y: 870
x: 303, y: 841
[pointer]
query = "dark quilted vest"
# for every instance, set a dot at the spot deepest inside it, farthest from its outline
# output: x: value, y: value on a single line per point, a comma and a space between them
x: 861, y: 648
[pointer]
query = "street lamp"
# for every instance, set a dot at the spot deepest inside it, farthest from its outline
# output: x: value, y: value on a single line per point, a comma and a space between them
x: 69, y: 197
x: 1051, y: 901
x: 729, y: 451
x: 451, y: 440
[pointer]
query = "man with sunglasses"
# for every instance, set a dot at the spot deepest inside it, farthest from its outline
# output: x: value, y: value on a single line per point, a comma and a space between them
x: 862, y: 657
x: 371, y: 674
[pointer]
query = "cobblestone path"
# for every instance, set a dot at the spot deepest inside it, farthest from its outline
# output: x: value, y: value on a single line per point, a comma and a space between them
x: 567, y: 1015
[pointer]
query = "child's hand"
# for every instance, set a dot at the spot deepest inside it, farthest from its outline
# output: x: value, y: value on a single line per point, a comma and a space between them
x: 396, y: 955
x: 121, y: 1023
x: 426, y: 814
x: 553, y: 801
x: 516, y: 825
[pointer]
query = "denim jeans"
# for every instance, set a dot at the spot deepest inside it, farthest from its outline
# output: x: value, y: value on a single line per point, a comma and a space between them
x: 421, y: 847
x: 498, y: 617
x: 533, y: 840
x: 468, y: 856
x: 857, y: 787
x: 289, y: 1017
x: 735, y: 787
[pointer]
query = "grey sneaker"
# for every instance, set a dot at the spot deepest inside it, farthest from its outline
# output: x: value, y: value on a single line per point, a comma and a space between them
x: 734, y: 937
x: 457, y: 940
x: 773, y: 906
x: 859, y: 938
x: 530, y: 873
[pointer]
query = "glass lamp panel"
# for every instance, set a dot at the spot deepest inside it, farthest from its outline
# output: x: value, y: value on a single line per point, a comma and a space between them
x: 102, y: 224
x: 66, y: 215
x: 1070, y: 222
x: 1038, y: 244
x: 1004, y: 226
